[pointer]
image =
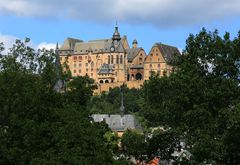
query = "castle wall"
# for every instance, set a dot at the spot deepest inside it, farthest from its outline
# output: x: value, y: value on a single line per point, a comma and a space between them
x: 107, y: 86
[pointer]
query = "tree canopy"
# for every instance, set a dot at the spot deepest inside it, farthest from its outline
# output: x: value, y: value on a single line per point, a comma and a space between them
x: 39, y: 125
x: 201, y: 97
x: 197, y: 104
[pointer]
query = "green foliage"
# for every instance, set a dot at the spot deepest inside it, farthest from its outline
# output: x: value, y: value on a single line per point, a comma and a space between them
x: 80, y: 90
x: 162, y: 144
x: 199, y: 103
x: 200, y: 97
x: 39, y: 126
x: 133, y: 144
x: 112, y: 141
x: 110, y: 102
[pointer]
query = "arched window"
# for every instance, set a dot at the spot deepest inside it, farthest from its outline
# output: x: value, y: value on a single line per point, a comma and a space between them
x: 111, y: 59
x: 132, y: 77
x: 138, y: 76
x: 108, y: 59
x: 106, y: 81
x: 101, y: 81
x: 117, y: 59
x: 121, y: 59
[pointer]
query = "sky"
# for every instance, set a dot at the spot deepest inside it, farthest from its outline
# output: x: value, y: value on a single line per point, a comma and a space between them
x: 47, y: 22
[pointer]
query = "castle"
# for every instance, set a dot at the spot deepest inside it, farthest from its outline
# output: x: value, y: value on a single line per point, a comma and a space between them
x: 112, y: 62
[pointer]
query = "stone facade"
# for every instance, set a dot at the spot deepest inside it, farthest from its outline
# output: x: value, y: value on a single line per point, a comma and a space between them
x: 158, y: 60
x: 111, y: 62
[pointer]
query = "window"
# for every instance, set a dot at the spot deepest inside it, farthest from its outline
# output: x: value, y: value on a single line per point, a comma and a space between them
x: 108, y: 59
x: 158, y: 65
x: 92, y: 65
x: 80, y: 65
x: 111, y: 59
x: 140, y: 59
x: 60, y: 58
x: 150, y: 65
x: 86, y: 64
x: 75, y: 65
x: 86, y: 70
x: 121, y: 59
x: 79, y: 71
x: 80, y: 58
x: 91, y: 74
x: 74, y: 71
x: 92, y: 70
x: 85, y: 57
x: 117, y: 59
x: 156, y: 54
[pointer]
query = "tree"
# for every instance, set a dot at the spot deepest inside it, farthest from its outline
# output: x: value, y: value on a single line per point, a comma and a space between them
x: 110, y: 102
x: 133, y: 145
x: 39, y: 125
x: 163, y: 144
x: 200, y: 97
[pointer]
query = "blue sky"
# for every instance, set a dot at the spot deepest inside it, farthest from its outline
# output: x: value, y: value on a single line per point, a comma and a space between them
x: 149, y: 21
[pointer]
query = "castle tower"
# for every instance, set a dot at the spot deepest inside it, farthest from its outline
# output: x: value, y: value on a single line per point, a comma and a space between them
x: 134, y: 43
x: 116, y: 34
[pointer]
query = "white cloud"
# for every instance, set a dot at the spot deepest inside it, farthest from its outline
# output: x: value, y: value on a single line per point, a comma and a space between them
x: 46, y: 46
x: 8, y: 42
x: 162, y: 13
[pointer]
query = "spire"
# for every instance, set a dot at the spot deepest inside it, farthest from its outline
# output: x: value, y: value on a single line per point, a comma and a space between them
x: 116, y: 34
x: 59, y: 84
x: 57, y: 48
x: 122, y: 106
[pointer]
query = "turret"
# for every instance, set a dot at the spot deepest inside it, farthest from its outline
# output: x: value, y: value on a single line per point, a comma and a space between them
x: 116, y: 34
x: 134, y: 43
